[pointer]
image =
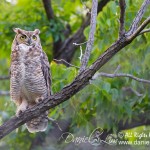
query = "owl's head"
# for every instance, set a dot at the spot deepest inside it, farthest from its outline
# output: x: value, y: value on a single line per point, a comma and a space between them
x: 28, y: 38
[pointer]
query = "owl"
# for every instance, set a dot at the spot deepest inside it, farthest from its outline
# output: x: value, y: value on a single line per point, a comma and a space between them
x: 30, y: 78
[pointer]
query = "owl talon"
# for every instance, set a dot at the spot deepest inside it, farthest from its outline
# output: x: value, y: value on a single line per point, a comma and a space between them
x: 21, y: 108
x: 39, y: 99
x: 18, y: 113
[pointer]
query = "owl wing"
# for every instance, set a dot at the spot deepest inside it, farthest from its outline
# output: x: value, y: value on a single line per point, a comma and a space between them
x: 15, y: 76
x: 46, y: 71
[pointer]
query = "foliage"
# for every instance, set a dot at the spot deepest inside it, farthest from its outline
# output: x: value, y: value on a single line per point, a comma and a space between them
x: 105, y: 102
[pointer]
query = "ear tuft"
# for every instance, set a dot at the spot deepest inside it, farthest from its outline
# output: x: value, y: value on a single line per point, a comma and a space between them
x: 17, y: 30
x: 37, y: 31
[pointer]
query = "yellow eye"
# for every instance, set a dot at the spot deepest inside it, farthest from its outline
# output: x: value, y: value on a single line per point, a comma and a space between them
x: 34, y: 37
x: 23, y: 37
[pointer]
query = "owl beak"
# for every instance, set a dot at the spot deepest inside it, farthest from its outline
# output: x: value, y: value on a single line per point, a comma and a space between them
x: 29, y: 41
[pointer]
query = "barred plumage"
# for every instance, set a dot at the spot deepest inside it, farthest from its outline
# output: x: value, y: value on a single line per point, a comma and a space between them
x: 30, y: 75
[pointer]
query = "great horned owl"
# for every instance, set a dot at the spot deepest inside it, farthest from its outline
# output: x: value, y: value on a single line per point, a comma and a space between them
x: 30, y: 75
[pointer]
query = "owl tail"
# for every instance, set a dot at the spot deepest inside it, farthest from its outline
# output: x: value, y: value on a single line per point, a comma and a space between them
x: 38, y: 124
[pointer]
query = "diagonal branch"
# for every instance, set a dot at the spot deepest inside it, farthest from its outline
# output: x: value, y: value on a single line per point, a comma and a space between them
x: 120, y: 75
x: 138, y: 17
x: 78, y: 84
x: 64, y: 61
x: 122, y: 5
x: 68, y: 91
x: 90, y: 42
x: 139, y: 30
x: 140, y: 120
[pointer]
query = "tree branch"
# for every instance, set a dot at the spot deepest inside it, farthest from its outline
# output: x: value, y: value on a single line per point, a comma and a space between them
x: 68, y: 91
x: 4, y: 77
x: 62, y: 60
x: 90, y: 42
x: 131, y: 90
x: 4, y: 93
x: 120, y: 75
x: 48, y: 9
x: 122, y: 4
x: 139, y: 30
x: 138, y: 17
x: 78, y: 84
x: 140, y: 120
x: 144, y: 31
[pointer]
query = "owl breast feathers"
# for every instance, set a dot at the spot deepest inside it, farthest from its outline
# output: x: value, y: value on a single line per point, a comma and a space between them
x: 30, y: 75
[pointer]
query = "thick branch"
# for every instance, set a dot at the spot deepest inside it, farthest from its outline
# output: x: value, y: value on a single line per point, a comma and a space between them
x: 138, y: 17
x: 140, y: 120
x: 122, y: 4
x: 120, y: 75
x: 78, y: 84
x: 48, y: 9
x: 90, y: 42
